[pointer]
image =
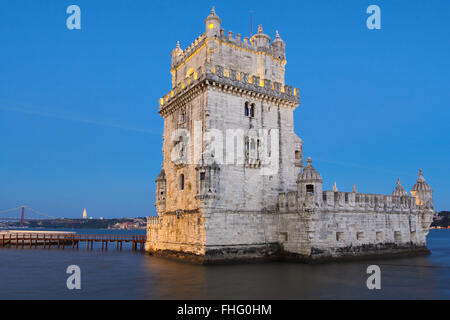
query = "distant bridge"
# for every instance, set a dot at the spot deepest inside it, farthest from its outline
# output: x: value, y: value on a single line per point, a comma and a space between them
x: 21, y: 215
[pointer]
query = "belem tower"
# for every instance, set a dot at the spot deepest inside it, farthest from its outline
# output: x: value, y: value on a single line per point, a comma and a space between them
x: 234, y: 185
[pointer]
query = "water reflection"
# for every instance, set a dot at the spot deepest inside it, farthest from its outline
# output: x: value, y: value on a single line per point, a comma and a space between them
x: 40, y: 274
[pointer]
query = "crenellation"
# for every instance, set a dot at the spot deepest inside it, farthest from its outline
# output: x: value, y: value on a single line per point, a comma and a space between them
x: 352, y: 202
x: 237, y: 78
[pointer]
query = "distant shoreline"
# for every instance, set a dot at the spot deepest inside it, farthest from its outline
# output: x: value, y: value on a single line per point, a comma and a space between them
x: 441, y: 221
x: 139, y: 223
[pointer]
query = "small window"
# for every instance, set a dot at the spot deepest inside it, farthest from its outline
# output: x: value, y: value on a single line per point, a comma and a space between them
x: 297, y: 154
x: 182, y: 182
x: 397, y: 236
x: 339, y: 236
x: 309, y: 188
x: 202, y: 176
x: 283, y: 236
x: 252, y: 110
x: 182, y: 116
x: 346, y: 197
x: 246, y: 111
x: 360, y: 236
x: 379, y: 236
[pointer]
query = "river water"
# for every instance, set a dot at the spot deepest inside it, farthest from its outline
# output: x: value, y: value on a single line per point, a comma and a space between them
x: 41, y: 274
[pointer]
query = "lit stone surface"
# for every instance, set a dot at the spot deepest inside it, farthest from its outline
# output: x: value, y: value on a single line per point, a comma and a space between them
x: 211, y: 210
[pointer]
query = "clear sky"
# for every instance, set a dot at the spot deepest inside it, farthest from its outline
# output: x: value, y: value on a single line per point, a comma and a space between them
x: 78, y: 108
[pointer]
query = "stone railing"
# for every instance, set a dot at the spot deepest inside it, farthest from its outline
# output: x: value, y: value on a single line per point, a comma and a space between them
x: 367, y: 201
x: 232, y: 78
x: 153, y: 220
x: 346, y: 201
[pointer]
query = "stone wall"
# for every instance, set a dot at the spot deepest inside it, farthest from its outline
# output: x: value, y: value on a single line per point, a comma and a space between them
x: 174, y: 125
x: 304, y: 236
x: 177, y: 234
x: 328, y: 235
x: 244, y: 187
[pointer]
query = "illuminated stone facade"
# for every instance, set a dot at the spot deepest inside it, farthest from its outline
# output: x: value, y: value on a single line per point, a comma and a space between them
x: 233, y: 185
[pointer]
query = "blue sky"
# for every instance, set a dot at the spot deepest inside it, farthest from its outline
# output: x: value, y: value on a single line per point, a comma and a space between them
x: 78, y: 108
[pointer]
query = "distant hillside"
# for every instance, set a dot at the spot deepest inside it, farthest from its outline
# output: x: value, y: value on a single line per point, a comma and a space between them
x: 442, y: 220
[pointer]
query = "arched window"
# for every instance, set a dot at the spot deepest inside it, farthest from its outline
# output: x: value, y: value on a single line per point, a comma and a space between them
x: 182, y: 182
x: 310, y: 188
x: 246, y: 109
x: 182, y: 116
x: 252, y: 110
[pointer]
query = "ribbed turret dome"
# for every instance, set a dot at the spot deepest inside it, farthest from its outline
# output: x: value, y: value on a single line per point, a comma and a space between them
x: 260, y: 39
x: 309, y: 174
x: 161, y: 175
x: 213, y: 16
x: 421, y: 184
x: 278, y: 41
x: 177, y: 51
x: 399, y: 191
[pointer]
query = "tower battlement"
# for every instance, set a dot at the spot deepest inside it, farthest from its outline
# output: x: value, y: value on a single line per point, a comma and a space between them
x: 348, y: 202
x: 219, y: 75
x: 256, y: 55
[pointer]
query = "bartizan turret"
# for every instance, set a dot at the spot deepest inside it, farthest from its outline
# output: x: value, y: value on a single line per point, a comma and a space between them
x: 279, y: 47
x: 399, y: 191
x: 309, y: 186
x: 161, y: 192
x: 212, y: 24
x: 422, y: 192
x: 260, y: 40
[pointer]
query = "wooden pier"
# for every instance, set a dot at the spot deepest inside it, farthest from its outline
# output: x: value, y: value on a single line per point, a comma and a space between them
x: 71, y: 240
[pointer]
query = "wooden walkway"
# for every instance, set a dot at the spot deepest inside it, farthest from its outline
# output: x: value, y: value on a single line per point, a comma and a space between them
x: 47, y: 240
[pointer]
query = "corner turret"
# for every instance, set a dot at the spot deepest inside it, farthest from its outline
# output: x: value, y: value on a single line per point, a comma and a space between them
x: 161, y: 192
x: 176, y: 53
x: 212, y: 24
x: 260, y: 39
x: 279, y: 47
x: 422, y: 192
x: 399, y: 191
x: 309, y: 185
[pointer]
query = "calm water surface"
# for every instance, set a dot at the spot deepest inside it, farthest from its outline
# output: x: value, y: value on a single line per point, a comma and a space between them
x: 41, y: 274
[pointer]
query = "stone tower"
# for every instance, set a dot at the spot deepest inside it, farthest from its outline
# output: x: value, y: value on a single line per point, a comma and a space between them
x: 229, y: 144
x: 233, y: 185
